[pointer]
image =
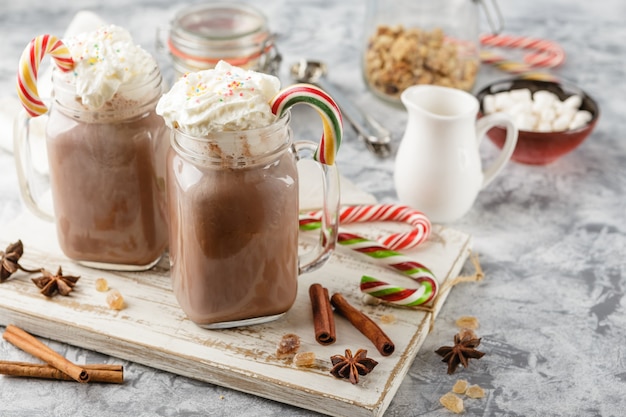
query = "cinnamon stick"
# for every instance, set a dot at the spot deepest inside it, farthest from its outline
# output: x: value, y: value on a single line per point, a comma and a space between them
x: 364, y: 324
x: 112, y: 374
x: 323, y: 319
x: 29, y: 344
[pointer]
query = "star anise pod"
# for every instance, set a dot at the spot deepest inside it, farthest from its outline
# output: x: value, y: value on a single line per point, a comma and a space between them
x: 465, y: 344
x: 51, y: 284
x: 350, y: 367
x: 9, y: 260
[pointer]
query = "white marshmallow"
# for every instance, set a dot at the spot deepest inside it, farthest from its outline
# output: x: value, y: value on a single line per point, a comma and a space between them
x: 525, y: 121
x: 547, y: 115
x: 558, y: 107
x: 521, y: 95
x: 573, y: 102
x: 545, y: 97
x: 503, y: 100
x: 561, y: 122
x: 566, y: 113
x: 544, y: 126
x: 575, y: 124
x: 489, y: 104
x: 583, y: 115
x: 539, y: 106
x: 581, y: 118
x: 523, y: 107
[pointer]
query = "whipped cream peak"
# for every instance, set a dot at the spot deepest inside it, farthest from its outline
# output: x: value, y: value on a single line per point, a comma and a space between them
x: 225, y: 98
x: 105, y: 61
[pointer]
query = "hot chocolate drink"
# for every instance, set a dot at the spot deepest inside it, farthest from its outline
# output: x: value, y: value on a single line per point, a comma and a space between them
x: 234, y: 246
x: 233, y: 199
x: 108, y: 183
x: 107, y: 149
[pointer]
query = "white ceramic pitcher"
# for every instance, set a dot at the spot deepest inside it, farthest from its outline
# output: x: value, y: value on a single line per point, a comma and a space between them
x: 438, y: 167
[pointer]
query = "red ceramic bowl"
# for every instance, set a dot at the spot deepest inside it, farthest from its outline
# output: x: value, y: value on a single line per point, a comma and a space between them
x: 540, y: 148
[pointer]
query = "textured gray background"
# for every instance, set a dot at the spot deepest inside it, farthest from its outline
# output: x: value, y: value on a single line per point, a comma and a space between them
x: 551, y: 238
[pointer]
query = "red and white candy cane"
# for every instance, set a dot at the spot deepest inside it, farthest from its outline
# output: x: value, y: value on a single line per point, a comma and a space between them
x: 428, y: 286
x: 520, y: 69
x: 545, y: 53
x: 392, y: 294
x: 28, y: 69
x: 325, y: 106
x: 420, y: 224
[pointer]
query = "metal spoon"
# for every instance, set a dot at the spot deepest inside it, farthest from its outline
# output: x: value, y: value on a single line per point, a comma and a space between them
x: 376, y: 137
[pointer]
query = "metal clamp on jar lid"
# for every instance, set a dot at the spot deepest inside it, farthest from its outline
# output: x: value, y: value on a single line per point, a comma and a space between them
x: 201, y: 35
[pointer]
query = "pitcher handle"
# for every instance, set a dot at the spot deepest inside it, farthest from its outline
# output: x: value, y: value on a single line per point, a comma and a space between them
x: 24, y: 165
x: 318, y: 256
x: 482, y: 127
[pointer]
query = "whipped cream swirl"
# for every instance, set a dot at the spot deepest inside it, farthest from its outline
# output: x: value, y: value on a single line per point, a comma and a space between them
x: 222, y: 99
x: 106, y: 61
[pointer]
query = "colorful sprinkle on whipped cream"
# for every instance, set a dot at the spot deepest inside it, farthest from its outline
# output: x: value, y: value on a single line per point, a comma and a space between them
x: 225, y: 98
x: 106, y: 60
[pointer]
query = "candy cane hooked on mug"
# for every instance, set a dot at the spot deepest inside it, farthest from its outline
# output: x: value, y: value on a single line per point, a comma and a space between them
x: 327, y: 109
x: 28, y: 70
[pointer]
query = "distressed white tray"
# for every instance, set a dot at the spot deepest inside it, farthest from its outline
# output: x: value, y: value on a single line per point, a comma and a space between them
x: 152, y: 330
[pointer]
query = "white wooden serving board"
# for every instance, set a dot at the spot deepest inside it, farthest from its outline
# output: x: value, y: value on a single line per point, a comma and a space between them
x: 152, y: 330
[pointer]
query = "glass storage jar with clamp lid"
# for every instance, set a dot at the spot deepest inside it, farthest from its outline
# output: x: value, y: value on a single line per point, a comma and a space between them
x: 409, y: 42
x: 202, y: 35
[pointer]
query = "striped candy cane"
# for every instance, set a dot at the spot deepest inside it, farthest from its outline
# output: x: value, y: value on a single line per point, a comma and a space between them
x: 28, y: 70
x: 421, y: 226
x: 392, y: 294
x: 327, y: 109
x: 543, y: 54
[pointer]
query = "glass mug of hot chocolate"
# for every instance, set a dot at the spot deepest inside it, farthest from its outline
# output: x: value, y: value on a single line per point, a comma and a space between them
x: 106, y: 149
x: 232, y: 186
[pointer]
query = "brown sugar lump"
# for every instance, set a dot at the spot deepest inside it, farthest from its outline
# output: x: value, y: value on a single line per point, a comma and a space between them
x: 475, y: 391
x: 102, y: 285
x: 460, y: 386
x: 115, y: 300
x: 304, y: 359
x: 452, y: 402
x: 467, y: 322
x: 288, y: 345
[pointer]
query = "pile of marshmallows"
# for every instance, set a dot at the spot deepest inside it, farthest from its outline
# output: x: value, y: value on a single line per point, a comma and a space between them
x: 542, y: 111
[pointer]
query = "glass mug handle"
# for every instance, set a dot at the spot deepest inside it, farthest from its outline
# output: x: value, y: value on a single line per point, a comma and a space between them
x: 24, y: 165
x: 318, y: 256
